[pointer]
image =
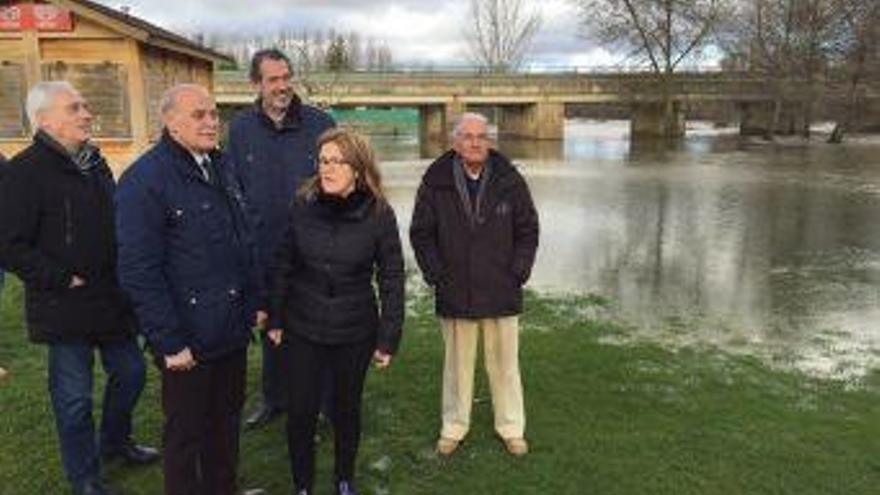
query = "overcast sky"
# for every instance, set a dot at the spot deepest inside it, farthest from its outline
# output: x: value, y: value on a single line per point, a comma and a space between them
x: 420, y: 32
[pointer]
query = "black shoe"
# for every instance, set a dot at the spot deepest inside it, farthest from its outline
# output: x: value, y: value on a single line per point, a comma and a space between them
x: 261, y: 417
x: 344, y: 487
x: 95, y: 487
x: 133, y: 454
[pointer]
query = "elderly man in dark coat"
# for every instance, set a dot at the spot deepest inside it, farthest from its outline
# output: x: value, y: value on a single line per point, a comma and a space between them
x: 475, y: 233
x: 57, y: 234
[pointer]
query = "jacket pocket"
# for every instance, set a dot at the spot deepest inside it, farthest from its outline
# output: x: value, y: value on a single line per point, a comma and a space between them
x: 213, y: 317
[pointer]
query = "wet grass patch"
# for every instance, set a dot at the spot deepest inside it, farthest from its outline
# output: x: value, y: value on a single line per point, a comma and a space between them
x: 603, y: 418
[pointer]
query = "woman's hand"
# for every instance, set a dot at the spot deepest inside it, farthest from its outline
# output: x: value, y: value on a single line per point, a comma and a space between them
x: 260, y: 319
x: 382, y: 359
x: 275, y: 335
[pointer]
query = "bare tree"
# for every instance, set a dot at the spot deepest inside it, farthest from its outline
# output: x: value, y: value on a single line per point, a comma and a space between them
x: 355, y: 50
x: 500, y: 33
x: 384, y: 57
x: 319, y: 50
x: 856, y: 55
x: 662, y: 34
x: 371, y: 55
x: 789, y: 42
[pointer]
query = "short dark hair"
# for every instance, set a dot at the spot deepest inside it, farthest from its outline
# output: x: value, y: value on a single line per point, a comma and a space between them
x: 270, y: 53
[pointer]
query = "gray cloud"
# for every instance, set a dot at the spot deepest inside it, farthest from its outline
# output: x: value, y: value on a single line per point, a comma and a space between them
x: 430, y: 32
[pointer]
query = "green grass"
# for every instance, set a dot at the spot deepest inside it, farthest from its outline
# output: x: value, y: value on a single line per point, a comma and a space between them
x: 602, y: 419
x: 379, y: 121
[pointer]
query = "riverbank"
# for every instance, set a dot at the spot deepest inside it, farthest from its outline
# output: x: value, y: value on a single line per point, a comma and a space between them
x: 605, y: 417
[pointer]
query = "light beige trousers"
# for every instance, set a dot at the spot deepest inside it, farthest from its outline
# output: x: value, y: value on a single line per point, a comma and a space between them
x: 501, y: 351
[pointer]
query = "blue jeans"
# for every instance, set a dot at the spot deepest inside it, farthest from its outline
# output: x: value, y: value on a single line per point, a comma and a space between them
x: 70, y: 388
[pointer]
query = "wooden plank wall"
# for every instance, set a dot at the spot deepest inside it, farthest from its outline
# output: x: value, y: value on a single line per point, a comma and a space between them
x: 105, y: 88
x: 13, y: 84
x: 162, y: 70
x: 12, y: 95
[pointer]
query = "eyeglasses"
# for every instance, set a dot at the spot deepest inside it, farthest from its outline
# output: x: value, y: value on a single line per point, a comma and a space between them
x: 331, y: 162
x: 482, y: 138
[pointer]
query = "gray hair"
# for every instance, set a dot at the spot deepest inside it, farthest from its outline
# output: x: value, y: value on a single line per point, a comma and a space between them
x: 466, y: 116
x: 169, y: 97
x: 40, y: 98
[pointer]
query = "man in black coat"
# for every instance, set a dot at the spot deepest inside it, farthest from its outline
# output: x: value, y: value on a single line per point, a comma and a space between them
x: 475, y: 233
x: 57, y: 234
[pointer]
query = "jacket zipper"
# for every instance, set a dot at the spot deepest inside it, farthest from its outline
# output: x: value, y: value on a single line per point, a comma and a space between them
x: 68, y: 222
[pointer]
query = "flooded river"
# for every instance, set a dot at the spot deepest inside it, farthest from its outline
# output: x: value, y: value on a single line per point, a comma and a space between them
x: 766, y: 249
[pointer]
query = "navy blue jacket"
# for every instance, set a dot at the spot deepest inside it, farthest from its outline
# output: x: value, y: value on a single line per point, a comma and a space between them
x: 186, y: 253
x: 272, y: 163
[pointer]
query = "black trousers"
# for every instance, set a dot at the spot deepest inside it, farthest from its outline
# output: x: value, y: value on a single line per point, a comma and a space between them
x: 347, y: 365
x: 275, y: 386
x: 202, y: 409
x: 274, y: 375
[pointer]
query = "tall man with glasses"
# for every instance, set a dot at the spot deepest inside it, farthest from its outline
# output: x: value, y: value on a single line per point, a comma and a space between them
x: 273, y: 145
x: 474, y: 231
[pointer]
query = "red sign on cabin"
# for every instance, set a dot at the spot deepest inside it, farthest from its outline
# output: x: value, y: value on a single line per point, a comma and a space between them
x: 41, y: 16
x: 11, y: 18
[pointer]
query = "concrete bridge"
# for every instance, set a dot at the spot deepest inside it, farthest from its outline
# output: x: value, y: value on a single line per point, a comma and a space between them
x: 527, y: 105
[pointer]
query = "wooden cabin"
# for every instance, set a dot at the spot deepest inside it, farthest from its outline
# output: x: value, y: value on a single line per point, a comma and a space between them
x: 120, y: 64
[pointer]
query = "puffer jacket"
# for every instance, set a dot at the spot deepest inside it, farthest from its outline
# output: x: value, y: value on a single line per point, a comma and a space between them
x: 331, y: 253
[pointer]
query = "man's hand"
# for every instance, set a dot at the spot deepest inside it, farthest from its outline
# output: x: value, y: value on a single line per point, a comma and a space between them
x: 275, y: 336
x: 76, y: 281
x: 382, y: 359
x: 182, y: 361
x: 260, y: 320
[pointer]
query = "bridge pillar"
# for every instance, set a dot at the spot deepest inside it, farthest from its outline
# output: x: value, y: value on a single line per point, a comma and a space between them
x: 649, y: 120
x: 756, y: 118
x: 432, y: 123
x: 542, y: 120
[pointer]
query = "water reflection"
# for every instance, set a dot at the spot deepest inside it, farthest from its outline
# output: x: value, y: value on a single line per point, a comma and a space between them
x: 768, y: 249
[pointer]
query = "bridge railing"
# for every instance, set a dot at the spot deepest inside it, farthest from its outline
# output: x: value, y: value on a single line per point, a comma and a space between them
x: 473, y: 74
x: 633, y: 86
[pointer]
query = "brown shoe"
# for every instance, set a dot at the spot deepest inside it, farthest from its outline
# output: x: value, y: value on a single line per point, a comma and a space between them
x: 446, y: 446
x: 516, y: 446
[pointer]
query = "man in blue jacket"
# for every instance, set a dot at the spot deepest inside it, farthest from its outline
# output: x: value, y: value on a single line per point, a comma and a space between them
x: 186, y: 261
x: 272, y: 143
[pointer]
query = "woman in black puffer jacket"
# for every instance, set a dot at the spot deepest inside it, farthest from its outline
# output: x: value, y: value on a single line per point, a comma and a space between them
x: 341, y: 236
